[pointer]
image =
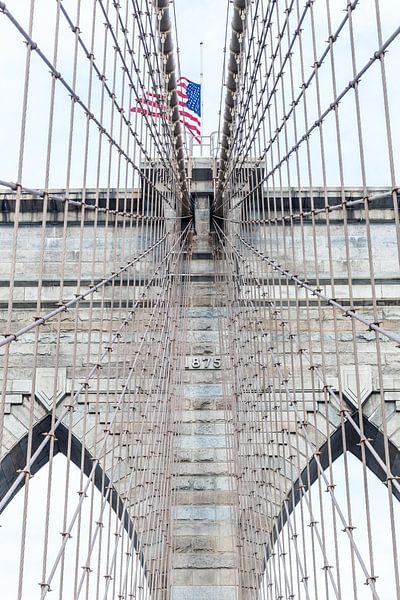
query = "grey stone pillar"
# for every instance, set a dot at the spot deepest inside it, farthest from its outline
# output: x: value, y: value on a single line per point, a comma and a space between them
x: 204, y: 537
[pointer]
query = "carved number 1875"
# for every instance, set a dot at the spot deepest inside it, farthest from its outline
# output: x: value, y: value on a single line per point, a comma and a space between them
x: 205, y: 363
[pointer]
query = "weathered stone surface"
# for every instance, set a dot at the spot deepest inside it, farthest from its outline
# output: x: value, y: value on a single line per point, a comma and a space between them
x: 204, y: 532
x: 208, y: 497
x: 201, y: 441
x: 202, y: 403
x: 207, y: 577
x: 202, y: 513
x: 198, y: 469
x: 205, y: 492
x: 206, y: 560
x: 204, y: 593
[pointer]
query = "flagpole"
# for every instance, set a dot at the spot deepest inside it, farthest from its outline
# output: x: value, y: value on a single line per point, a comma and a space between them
x: 201, y: 89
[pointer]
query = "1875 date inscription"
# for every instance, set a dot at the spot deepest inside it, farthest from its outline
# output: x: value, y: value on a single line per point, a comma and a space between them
x: 203, y: 362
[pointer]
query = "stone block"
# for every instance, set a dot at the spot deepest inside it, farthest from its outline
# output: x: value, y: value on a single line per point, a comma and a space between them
x: 202, y: 323
x: 208, y: 429
x: 202, y: 416
x: 193, y: 544
x: 8, y: 437
x: 203, y: 484
x: 202, y: 403
x: 205, y: 390
x: 200, y: 528
x: 202, y: 513
x: 222, y: 403
x: 202, y: 468
x: 193, y: 376
x: 205, y: 560
x: 182, y: 483
x: 205, y: 497
x: 195, y: 312
x: 203, y: 455
x: 223, y: 577
x: 183, y: 456
x: 201, y: 441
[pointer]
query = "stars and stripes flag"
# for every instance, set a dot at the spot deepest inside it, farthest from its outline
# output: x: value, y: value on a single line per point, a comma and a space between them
x: 189, y: 96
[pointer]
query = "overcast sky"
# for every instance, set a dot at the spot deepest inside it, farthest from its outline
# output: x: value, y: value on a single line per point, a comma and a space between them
x: 198, y: 21
x: 11, y: 531
x: 203, y: 21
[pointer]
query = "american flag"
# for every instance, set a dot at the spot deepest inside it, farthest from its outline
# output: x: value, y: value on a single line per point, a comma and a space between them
x: 151, y: 104
x: 189, y: 95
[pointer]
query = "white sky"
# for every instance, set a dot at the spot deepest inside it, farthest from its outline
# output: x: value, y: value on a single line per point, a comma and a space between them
x: 198, y: 20
x: 10, y: 522
x: 207, y: 19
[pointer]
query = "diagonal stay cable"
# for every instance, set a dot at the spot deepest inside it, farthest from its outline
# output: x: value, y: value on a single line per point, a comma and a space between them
x: 344, y: 204
x: 55, y: 73
x: 13, y: 337
x: 293, y: 402
x: 336, y: 398
x: 84, y: 386
x: 332, y: 107
x: 96, y: 460
x: 348, y: 312
x: 65, y: 198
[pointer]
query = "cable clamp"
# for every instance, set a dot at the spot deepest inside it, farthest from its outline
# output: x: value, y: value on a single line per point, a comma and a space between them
x: 44, y: 586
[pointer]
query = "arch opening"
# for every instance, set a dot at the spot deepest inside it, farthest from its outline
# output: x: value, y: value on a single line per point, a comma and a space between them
x: 102, y: 544
x: 340, y: 545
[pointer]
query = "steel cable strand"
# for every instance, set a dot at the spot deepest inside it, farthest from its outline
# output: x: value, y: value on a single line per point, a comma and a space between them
x: 13, y: 337
x: 149, y: 122
x: 222, y: 237
x: 280, y: 74
x: 81, y: 388
x: 165, y: 325
x: 122, y: 516
x: 76, y: 99
x: 371, y: 326
x: 96, y: 460
x: 338, y: 404
x: 267, y: 23
x: 348, y: 530
x: 332, y: 107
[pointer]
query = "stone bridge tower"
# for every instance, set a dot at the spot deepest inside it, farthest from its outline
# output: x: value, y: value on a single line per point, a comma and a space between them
x: 222, y: 461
